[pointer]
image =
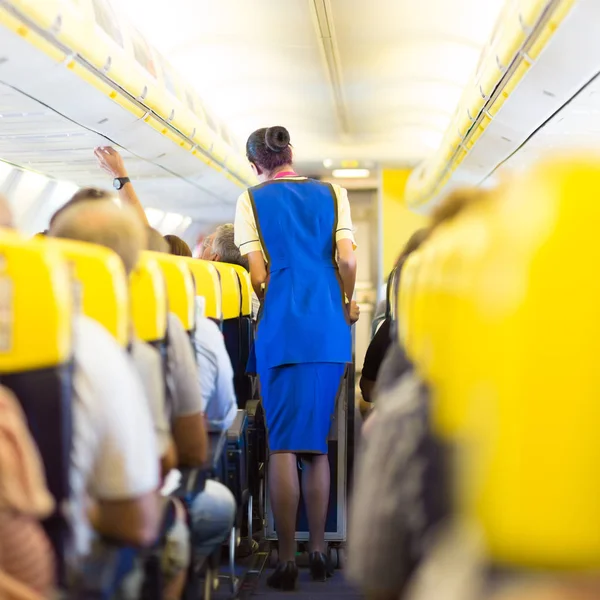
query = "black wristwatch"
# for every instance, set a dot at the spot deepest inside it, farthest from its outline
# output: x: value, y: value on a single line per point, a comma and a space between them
x: 120, y: 182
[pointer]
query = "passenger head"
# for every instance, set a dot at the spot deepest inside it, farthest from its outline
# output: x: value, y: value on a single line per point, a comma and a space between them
x: 454, y: 203
x: 104, y: 223
x: 177, y: 246
x: 83, y: 195
x: 207, y: 247
x: 224, y: 248
x: 268, y: 149
x: 156, y: 242
x: 413, y: 243
x: 6, y: 218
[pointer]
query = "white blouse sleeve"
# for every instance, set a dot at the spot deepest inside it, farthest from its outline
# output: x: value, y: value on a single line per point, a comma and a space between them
x: 245, y: 230
x: 345, y: 229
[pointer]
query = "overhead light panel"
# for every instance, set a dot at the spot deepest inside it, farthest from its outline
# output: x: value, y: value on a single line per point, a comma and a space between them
x: 351, y: 173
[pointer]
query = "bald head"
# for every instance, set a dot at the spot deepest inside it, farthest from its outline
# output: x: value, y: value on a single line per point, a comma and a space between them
x: 82, y: 195
x: 6, y: 218
x: 156, y: 242
x: 104, y: 223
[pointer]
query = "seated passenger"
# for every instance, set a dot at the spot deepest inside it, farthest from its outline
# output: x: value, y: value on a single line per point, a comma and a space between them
x: 382, y: 339
x: 222, y: 248
x: 177, y: 246
x: 104, y: 223
x: 207, y: 251
x: 396, y: 511
x: 213, y: 511
x: 114, y: 446
x: 26, y: 562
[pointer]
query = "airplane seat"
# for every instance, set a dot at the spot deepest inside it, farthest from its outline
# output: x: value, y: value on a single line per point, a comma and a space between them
x: 232, y: 327
x: 36, y: 363
x: 208, y: 290
x: 246, y: 382
x: 538, y: 496
x: 148, y: 296
x: 99, y: 284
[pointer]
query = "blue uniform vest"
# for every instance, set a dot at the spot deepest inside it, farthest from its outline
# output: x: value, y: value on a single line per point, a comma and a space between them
x: 303, y: 317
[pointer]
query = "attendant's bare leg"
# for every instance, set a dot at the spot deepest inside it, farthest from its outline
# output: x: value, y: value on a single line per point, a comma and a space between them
x: 284, y: 491
x: 316, y: 480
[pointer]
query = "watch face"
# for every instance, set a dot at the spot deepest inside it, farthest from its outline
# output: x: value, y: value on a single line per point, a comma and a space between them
x: 117, y: 184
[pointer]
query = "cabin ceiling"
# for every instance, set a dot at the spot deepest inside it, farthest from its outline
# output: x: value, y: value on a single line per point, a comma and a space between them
x: 352, y: 80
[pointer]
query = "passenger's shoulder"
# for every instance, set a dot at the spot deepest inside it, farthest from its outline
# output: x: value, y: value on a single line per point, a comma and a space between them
x: 207, y: 327
x: 92, y: 338
x: 141, y: 351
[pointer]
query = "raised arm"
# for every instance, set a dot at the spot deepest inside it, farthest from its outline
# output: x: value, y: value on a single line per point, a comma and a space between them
x: 112, y: 162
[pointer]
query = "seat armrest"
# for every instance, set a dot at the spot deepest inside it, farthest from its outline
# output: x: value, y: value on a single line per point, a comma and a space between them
x: 237, y: 427
x: 217, y: 441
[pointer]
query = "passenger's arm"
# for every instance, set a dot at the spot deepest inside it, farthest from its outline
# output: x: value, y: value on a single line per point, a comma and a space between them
x: 133, y: 522
x: 347, y: 265
x: 258, y: 273
x: 168, y: 460
x: 191, y: 439
x: 112, y: 162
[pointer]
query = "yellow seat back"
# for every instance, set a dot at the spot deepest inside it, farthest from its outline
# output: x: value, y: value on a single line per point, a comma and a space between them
x: 149, y: 306
x: 230, y: 290
x: 245, y: 288
x: 101, y: 285
x: 36, y: 303
x: 208, y: 287
x: 532, y: 479
x: 180, y: 286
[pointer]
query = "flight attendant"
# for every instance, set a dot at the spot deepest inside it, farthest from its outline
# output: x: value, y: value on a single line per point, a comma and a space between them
x: 297, y: 235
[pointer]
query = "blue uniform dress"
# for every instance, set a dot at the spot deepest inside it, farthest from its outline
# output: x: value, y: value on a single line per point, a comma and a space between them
x: 303, y: 338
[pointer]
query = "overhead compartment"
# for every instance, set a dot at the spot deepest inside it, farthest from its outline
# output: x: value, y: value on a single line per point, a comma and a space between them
x: 73, y: 76
x: 541, y: 55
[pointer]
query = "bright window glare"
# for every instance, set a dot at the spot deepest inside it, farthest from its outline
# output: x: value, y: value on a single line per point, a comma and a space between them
x: 155, y: 216
x: 5, y: 169
x: 171, y: 222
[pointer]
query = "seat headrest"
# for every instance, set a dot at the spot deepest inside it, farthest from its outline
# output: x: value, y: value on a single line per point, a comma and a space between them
x: 149, y: 306
x: 180, y: 287
x: 36, y: 305
x: 100, y: 283
x: 246, y: 289
x: 230, y: 290
x: 208, y: 287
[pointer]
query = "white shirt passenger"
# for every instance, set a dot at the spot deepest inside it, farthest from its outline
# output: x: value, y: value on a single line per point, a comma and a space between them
x: 114, y: 444
x: 216, y: 375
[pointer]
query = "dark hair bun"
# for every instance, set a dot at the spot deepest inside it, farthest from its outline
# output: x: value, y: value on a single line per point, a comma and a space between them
x: 277, y: 138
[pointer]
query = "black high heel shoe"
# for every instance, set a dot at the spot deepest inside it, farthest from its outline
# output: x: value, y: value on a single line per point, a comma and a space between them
x: 320, y: 567
x: 285, y: 577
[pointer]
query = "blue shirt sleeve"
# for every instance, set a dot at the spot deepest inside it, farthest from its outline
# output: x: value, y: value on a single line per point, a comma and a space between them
x: 216, y: 376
